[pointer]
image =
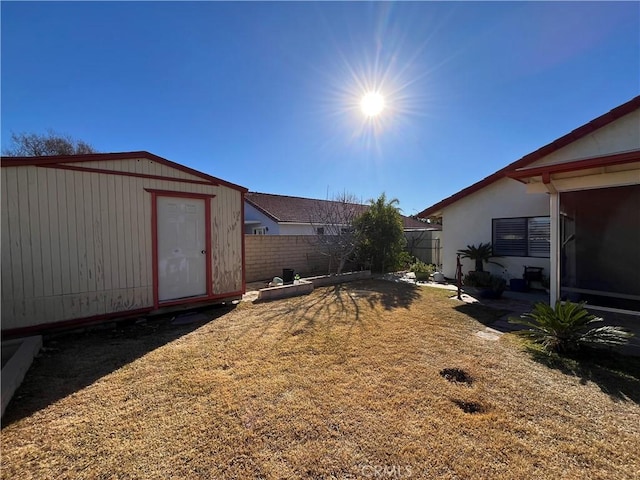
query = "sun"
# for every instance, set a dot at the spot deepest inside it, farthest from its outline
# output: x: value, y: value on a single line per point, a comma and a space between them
x: 372, y: 104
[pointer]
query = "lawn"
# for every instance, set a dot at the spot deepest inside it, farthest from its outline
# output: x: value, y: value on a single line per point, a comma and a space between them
x: 343, y: 383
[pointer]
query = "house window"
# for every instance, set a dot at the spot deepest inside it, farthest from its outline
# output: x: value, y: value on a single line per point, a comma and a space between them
x: 521, y: 237
x: 260, y: 230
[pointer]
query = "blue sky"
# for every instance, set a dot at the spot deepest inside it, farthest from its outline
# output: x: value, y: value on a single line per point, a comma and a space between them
x: 266, y: 95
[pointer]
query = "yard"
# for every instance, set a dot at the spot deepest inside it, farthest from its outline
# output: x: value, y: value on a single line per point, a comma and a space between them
x: 343, y: 383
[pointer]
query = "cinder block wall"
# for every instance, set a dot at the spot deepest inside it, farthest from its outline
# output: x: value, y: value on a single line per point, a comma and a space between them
x: 267, y: 255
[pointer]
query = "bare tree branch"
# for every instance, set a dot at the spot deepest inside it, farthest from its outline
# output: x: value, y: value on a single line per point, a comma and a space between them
x: 51, y: 143
x: 333, y: 223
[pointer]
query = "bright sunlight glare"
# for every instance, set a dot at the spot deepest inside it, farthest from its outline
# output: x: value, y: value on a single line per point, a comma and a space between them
x: 372, y: 104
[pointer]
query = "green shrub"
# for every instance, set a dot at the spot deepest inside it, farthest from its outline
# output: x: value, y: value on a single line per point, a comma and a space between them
x: 422, y: 270
x: 421, y: 267
x: 477, y: 279
x: 568, y: 327
x: 406, y: 260
x: 497, y: 284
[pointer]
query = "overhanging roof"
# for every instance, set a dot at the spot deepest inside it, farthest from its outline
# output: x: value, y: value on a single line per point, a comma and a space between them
x: 544, y: 171
x: 527, y: 160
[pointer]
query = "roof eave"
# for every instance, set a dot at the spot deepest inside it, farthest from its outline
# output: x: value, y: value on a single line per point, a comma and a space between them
x: 528, y: 159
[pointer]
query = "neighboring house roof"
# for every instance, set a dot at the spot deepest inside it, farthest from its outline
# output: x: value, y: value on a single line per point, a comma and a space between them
x: 286, y: 209
x: 527, y: 160
x: 63, y: 161
x: 413, y: 224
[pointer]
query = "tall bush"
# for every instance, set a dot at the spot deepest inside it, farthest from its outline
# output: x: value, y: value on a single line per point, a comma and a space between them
x: 381, y: 235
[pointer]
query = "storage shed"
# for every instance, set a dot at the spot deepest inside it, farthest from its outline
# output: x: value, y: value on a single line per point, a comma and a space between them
x: 91, y: 237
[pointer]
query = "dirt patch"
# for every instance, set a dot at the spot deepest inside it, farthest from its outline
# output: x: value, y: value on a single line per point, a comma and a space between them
x: 470, y: 407
x: 456, y: 375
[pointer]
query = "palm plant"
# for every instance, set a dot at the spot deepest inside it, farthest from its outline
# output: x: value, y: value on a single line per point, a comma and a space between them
x: 568, y: 327
x: 480, y: 254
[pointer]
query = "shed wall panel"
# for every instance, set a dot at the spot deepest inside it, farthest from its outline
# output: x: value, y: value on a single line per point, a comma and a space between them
x: 44, y: 228
x: 225, y: 242
x: 63, y: 233
x: 79, y: 244
x: 5, y: 238
x: 14, y: 250
x: 34, y: 233
x: 54, y: 226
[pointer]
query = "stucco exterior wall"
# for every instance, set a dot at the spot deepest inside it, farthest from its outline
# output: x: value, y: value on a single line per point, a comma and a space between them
x: 297, y: 229
x: 252, y: 214
x: 621, y: 135
x: 468, y: 222
x: 78, y: 244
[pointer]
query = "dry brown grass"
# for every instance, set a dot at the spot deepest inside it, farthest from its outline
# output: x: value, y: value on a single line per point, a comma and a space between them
x: 343, y: 383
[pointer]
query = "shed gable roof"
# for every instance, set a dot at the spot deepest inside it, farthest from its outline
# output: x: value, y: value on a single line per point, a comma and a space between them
x: 68, y: 161
x: 532, y: 157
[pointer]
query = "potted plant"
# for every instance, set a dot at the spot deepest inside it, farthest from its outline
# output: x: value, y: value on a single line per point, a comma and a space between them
x: 422, y: 270
x: 485, y: 284
x: 494, y: 288
x: 480, y: 254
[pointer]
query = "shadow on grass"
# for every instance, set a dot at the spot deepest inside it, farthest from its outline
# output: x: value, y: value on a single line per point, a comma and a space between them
x: 616, y: 375
x: 483, y: 314
x: 390, y: 295
x: 351, y: 305
x: 69, y: 362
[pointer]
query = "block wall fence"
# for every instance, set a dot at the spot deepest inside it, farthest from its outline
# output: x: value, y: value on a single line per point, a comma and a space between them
x: 267, y: 255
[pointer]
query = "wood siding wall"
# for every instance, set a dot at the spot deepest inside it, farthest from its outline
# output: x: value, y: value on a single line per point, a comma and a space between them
x: 79, y: 244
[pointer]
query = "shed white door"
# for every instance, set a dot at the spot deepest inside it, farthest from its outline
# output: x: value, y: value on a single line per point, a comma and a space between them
x: 182, y: 270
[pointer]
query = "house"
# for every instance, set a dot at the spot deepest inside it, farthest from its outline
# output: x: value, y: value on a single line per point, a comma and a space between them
x: 571, y: 207
x: 90, y: 237
x: 269, y: 214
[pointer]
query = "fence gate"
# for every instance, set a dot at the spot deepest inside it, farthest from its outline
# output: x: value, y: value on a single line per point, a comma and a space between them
x: 425, y: 248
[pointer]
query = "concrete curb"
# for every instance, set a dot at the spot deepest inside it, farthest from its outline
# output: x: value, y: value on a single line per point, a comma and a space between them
x: 16, y: 367
x: 302, y: 287
x: 324, y: 280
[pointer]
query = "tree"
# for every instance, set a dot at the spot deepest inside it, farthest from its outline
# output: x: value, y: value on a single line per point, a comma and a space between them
x: 333, y: 222
x: 51, y: 143
x: 381, y: 234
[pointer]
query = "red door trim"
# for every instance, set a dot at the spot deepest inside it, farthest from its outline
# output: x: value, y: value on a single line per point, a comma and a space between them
x: 154, y: 244
x: 244, y: 266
